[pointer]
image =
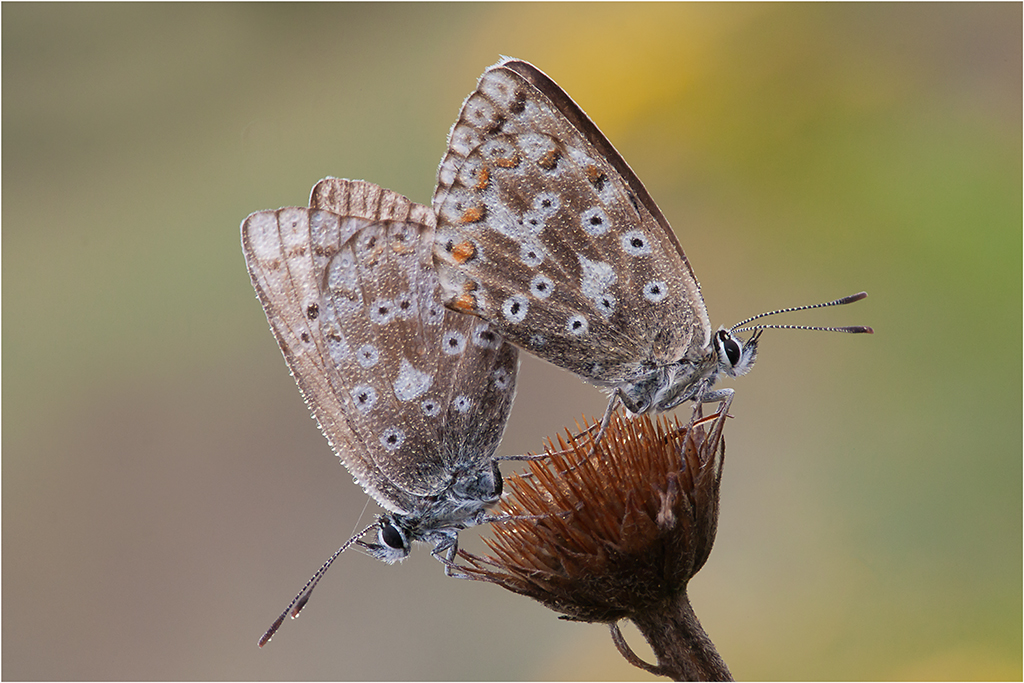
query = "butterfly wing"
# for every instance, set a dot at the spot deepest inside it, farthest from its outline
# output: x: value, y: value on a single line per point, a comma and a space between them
x: 545, y: 231
x: 356, y: 312
x: 450, y: 377
x: 284, y: 271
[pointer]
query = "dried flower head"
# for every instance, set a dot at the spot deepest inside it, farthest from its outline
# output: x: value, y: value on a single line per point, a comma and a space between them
x: 617, y: 530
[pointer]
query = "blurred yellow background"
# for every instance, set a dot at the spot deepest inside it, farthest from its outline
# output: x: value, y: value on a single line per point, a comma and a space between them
x: 165, y: 492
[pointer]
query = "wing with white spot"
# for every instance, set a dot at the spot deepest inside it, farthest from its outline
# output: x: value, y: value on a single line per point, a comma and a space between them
x: 444, y: 382
x: 354, y: 304
x: 286, y: 271
x: 545, y: 231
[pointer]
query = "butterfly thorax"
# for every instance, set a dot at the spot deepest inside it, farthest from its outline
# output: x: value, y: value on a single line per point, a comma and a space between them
x: 666, y: 386
x: 692, y: 377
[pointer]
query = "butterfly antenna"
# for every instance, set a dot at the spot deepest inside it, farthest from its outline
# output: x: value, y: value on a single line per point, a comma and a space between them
x: 302, y: 598
x: 854, y: 329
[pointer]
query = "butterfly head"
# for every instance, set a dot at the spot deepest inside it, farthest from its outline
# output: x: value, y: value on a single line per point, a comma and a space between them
x: 735, y: 357
x: 394, y: 540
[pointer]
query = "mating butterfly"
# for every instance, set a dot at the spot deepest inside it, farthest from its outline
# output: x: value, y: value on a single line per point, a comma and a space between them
x: 412, y: 397
x: 545, y: 232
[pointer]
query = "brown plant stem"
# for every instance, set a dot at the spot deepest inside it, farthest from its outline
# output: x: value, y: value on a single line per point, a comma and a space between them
x: 684, y: 651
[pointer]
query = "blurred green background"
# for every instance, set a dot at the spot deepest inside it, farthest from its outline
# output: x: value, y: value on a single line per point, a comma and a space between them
x: 165, y: 492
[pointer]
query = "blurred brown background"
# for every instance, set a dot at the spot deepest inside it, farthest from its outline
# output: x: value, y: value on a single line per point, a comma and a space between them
x: 165, y: 492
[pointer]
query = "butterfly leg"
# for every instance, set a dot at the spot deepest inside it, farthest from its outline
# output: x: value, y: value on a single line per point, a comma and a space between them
x: 547, y: 454
x: 724, y: 396
x: 613, y: 402
x: 445, y: 551
x: 527, y: 457
x: 566, y: 451
x: 601, y: 426
x: 509, y: 518
x: 595, y: 439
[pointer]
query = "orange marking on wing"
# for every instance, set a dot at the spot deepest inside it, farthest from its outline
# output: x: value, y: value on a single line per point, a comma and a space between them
x: 473, y: 214
x: 463, y: 251
x: 464, y: 303
x: 483, y: 178
x: 507, y: 162
x: 550, y: 159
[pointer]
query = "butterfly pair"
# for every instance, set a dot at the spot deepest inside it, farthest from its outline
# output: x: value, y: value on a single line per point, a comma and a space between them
x: 540, y: 235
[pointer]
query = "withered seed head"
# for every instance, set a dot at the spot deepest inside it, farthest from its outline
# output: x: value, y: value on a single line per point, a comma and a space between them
x: 610, y: 535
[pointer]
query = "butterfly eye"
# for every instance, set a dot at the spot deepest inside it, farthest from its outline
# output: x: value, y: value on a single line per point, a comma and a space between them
x: 391, y: 536
x: 732, y: 348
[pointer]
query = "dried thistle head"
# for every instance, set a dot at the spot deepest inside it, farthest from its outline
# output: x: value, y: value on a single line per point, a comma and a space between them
x: 613, y: 531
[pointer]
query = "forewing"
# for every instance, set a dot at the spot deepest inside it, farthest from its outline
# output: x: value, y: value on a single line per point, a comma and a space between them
x: 545, y: 231
x: 451, y: 374
x: 286, y: 267
x: 355, y: 307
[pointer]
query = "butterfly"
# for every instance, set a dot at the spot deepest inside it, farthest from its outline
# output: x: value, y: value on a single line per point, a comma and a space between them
x: 545, y: 232
x: 412, y: 397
